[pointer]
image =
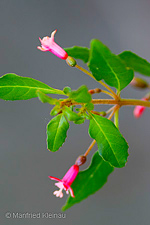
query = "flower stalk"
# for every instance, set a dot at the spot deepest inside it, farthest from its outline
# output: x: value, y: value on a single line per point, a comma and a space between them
x: 90, y: 148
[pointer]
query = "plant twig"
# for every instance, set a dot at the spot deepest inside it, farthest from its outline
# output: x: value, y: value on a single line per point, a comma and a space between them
x: 113, y: 112
x: 121, y: 102
x: 90, y: 147
x: 110, y: 109
x: 107, y: 93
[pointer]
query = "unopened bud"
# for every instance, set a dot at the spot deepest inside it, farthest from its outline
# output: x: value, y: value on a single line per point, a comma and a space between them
x: 67, y: 90
x: 102, y: 113
x: 139, y: 83
x: 97, y: 90
x: 94, y: 91
x: 71, y: 61
x: 80, y: 160
x: 147, y: 97
x: 139, y: 110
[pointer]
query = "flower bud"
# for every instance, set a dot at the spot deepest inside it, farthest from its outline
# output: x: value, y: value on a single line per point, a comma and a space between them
x: 147, y: 96
x: 102, y: 113
x: 80, y: 160
x: 67, y: 90
x: 139, y: 83
x: 94, y: 91
x: 71, y: 61
x: 139, y: 110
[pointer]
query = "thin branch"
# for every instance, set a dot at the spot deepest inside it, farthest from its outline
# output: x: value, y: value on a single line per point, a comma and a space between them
x: 90, y: 147
x: 121, y: 102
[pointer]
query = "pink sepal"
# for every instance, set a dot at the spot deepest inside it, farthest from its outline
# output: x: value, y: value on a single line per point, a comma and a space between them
x: 71, y: 192
x: 55, y: 178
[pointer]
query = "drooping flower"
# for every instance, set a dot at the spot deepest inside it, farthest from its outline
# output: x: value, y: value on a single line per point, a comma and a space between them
x: 48, y: 44
x: 66, y: 181
x: 139, y: 110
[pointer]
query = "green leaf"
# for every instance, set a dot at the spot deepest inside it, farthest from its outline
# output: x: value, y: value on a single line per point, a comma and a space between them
x: 81, y: 95
x: 46, y: 99
x: 67, y: 90
x: 108, y: 66
x: 79, y: 121
x: 55, y: 110
x: 135, y: 62
x: 111, y: 144
x: 78, y: 53
x: 57, y: 132
x: 14, y: 87
x: 71, y: 116
x: 89, y: 181
x: 89, y: 106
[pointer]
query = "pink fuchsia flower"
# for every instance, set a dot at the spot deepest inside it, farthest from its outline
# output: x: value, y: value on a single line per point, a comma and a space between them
x: 66, y: 181
x: 139, y: 110
x: 48, y: 44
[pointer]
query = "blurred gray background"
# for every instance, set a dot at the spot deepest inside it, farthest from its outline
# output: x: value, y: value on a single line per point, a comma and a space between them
x: 25, y: 163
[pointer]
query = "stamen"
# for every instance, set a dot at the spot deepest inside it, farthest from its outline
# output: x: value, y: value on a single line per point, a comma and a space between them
x: 58, y: 193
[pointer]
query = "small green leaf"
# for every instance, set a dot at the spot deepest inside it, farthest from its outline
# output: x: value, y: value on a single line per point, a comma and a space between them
x: 55, y: 110
x: 89, y: 181
x: 81, y: 95
x: 79, y: 121
x: 71, y: 116
x: 135, y: 62
x: 14, y: 87
x: 57, y: 132
x: 77, y: 109
x: 87, y: 116
x: 46, y: 99
x: 108, y: 66
x: 111, y: 144
x: 89, y: 106
x: 78, y: 53
x: 67, y: 90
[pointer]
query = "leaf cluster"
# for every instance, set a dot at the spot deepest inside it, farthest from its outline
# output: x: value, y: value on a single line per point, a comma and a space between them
x: 76, y: 106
